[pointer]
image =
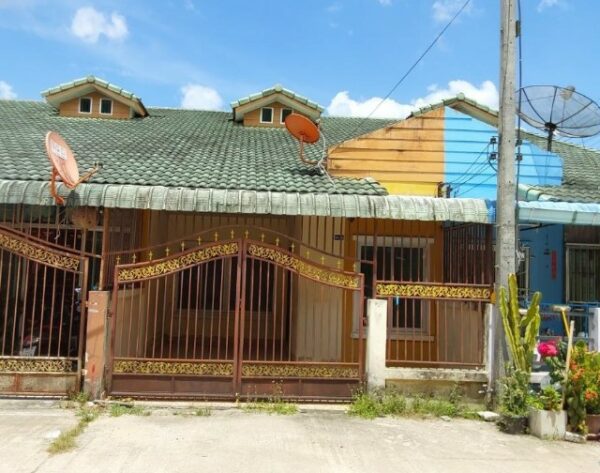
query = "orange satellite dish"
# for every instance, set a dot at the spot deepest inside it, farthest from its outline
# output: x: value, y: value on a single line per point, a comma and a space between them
x: 64, y: 165
x: 304, y: 130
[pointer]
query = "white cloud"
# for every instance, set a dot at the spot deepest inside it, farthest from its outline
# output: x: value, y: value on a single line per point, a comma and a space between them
x: 485, y: 94
x: 6, y: 91
x: 444, y: 10
x: 89, y: 24
x: 200, y: 97
x: 343, y: 105
x: 549, y: 4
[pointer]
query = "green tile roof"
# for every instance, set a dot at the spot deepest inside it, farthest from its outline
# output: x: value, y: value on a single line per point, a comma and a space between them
x: 278, y: 89
x: 91, y: 80
x: 581, y: 172
x: 175, y: 148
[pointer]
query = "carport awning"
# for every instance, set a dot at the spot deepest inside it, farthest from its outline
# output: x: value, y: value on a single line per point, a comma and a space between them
x: 251, y: 201
x: 559, y: 212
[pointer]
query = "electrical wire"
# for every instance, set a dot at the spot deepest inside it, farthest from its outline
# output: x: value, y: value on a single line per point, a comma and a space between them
x: 476, y: 171
x: 406, y: 74
x: 466, y: 173
x: 477, y: 184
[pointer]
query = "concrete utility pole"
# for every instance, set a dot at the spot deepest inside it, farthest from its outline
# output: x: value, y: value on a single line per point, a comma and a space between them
x: 506, y: 237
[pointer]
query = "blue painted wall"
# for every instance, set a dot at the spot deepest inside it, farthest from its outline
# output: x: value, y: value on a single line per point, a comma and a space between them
x: 542, y: 242
x: 466, y: 165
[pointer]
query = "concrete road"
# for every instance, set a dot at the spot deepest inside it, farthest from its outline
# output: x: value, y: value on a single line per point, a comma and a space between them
x: 315, y: 441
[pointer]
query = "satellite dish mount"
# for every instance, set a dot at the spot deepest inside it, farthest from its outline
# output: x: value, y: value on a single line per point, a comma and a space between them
x: 64, y: 166
x: 305, y: 131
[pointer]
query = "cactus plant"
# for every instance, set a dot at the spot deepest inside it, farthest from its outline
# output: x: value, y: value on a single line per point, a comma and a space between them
x: 520, y: 330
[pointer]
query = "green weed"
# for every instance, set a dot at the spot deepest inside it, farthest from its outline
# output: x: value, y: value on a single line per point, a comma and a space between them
x: 274, y: 404
x: 202, y: 412
x: 79, y: 397
x: 387, y: 402
x: 281, y: 408
x: 67, y: 440
x: 118, y: 410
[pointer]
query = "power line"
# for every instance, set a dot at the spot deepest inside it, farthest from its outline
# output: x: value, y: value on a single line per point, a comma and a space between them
x: 477, y: 184
x: 476, y: 173
x: 466, y: 172
x: 406, y: 74
x: 469, y: 177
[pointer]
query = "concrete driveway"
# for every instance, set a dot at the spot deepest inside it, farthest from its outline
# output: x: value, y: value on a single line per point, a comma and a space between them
x: 232, y: 440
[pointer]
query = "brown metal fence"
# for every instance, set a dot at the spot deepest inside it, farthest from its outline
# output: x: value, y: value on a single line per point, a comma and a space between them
x: 436, y: 279
x: 429, y: 331
x: 236, y: 317
x: 42, y: 312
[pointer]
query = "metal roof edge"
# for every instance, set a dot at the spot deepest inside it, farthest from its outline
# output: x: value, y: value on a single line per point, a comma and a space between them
x: 251, y: 202
x: 566, y: 213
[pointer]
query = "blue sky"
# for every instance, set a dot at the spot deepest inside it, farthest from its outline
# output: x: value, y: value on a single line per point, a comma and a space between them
x: 341, y: 53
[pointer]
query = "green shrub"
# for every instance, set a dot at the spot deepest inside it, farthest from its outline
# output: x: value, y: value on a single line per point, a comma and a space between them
x: 514, y: 392
x: 548, y: 399
x: 392, y: 403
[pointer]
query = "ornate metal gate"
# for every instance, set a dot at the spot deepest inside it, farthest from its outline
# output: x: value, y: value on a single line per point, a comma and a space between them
x: 41, y: 316
x: 237, y: 318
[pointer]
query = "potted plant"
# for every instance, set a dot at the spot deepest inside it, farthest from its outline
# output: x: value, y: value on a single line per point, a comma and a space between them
x: 581, y: 386
x: 547, y: 419
x: 592, y: 410
x: 584, y: 383
x: 520, y: 332
x: 514, y: 392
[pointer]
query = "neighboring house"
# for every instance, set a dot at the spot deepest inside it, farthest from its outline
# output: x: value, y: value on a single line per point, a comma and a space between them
x: 220, y: 265
x: 563, y: 244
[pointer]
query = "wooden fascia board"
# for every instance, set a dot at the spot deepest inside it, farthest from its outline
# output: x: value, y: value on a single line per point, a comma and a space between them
x: 475, y: 112
x: 241, y: 110
x: 81, y: 90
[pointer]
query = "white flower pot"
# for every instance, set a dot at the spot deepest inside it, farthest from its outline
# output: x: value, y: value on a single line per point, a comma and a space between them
x: 548, y: 424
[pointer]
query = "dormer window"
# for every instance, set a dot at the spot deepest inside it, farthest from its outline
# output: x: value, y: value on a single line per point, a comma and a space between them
x: 85, y: 105
x: 106, y: 106
x: 91, y: 97
x: 266, y: 115
x: 271, y: 107
x: 284, y: 113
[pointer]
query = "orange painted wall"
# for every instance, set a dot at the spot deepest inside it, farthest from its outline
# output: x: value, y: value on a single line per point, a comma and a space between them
x: 70, y: 108
x: 406, y: 157
x: 253, y: 118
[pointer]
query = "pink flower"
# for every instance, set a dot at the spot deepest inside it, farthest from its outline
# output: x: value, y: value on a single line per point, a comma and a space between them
x: 547, y: 349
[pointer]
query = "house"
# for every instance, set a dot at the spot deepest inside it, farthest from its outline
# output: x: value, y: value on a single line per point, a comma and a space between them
x: 206, y: 260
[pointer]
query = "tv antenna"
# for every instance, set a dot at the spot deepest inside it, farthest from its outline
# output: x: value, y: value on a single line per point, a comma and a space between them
x: 305, y: 131
x: 559, y: 110
x: 64, y: 165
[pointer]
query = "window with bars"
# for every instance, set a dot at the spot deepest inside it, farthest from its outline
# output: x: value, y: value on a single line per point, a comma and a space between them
x: 397, y: 259
x: 583, y: 273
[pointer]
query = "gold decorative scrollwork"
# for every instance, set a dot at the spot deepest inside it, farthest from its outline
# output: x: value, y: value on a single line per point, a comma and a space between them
x: 260, y: 370
x: 38, y: 253
x: 172, y: 367
x: 433, y: 291
x: 37, y: 365
x: 332, y: 278
x: 177, y: 263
